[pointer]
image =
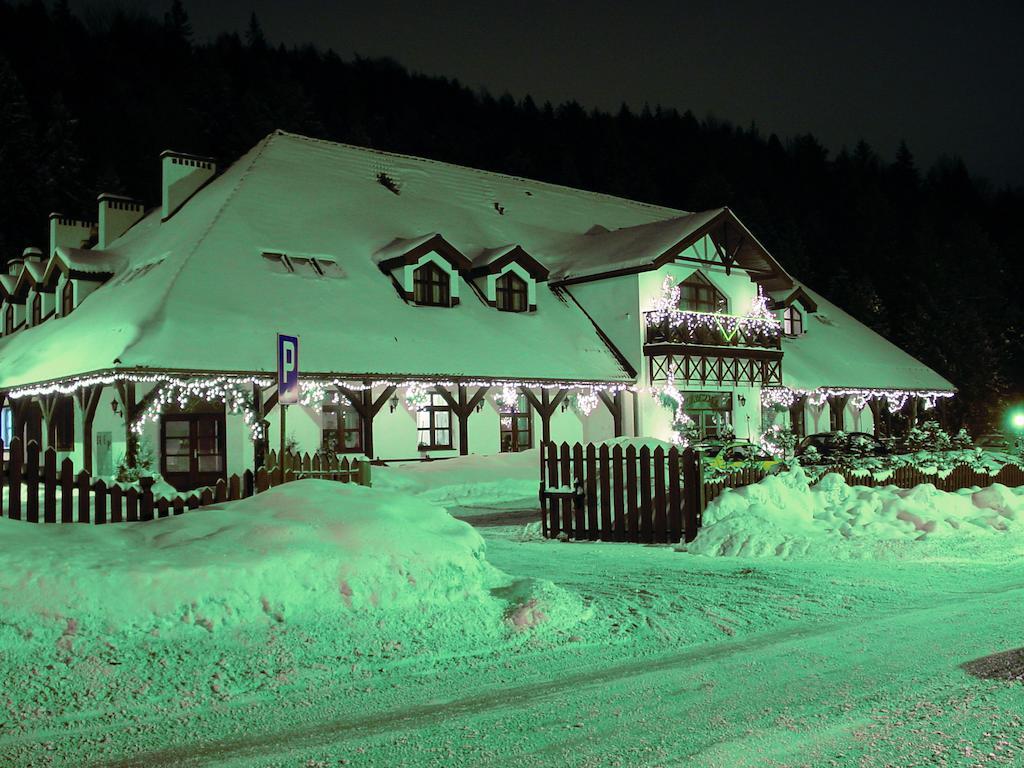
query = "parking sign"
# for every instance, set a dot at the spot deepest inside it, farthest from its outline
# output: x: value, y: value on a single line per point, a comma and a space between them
x: 287, y: 369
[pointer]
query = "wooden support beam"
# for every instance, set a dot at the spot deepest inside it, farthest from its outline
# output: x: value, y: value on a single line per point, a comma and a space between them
x: 367, y: 407
x: 87, y: 399
x: 614, y: 404
x: 48, y: 406
x: 545, y: 406
x: 462, y: 406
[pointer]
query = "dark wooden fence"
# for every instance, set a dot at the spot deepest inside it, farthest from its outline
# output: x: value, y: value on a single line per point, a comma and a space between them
x: 645, y: 496
x: 619, y: 495
x: 962, y: 476
x: 70, y: 497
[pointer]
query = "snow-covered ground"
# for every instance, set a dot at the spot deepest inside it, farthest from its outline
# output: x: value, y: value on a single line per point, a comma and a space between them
x: 322, y: 624
x: 788, y: 516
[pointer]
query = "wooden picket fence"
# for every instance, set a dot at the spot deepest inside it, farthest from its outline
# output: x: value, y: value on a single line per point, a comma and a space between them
x: 645, y: 496
x: 69, y: 497
x: 619, y: 495
x: 962, y: 476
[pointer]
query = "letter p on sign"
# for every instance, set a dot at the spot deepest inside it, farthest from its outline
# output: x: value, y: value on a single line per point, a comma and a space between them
x: 287, y: 369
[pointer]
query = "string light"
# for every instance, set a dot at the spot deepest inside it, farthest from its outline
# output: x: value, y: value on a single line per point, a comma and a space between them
x: 417, y: 396
x: 507, y: 399
x: 236, y: 398
x: 758, y: 320
x: 895, y: 399
x: 586, y: 402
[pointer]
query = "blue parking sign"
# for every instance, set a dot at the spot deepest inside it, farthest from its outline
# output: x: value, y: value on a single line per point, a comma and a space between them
x: 287, y: 369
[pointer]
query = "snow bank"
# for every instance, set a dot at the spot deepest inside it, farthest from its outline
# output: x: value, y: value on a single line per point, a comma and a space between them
x: 786, y: 516
x: 299, y: 552
x: 466, y: 480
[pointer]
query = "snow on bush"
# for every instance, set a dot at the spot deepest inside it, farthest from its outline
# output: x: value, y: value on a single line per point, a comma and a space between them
x: 466, y: 480
x: 299, y: 552
x: 788, y: 516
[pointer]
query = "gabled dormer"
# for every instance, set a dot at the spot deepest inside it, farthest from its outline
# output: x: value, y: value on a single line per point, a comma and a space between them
x: 74, y: 273
x: 507, y: 278
x: 425, y: 269
x: 792, y: 309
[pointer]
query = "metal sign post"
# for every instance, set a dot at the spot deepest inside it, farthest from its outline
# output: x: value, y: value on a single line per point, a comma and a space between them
x: 287, y: 384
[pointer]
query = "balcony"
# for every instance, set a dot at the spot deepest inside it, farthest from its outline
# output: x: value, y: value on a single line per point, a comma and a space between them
x: 703, y: 329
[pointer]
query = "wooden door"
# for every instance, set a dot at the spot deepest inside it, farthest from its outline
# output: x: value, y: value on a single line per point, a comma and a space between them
x: 193, y: 454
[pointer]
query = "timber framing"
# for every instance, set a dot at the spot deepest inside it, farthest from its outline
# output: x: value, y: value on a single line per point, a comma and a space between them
x: 485, y: 265
x: 462, y: 405
x: 718, y: 367
x: 435, y: 244
x: 735, y: 246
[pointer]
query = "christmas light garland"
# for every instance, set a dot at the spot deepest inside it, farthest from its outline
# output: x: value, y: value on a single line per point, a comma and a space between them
x: 235, y: 397
x: 758, y: 321
x: 895, y: 399
x: 506, y: 399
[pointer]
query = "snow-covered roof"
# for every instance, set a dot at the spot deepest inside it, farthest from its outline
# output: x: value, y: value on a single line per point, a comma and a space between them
x: 839, y: 351
x: 196, y: 293
x: 82, y: 262
x: 652, y: 244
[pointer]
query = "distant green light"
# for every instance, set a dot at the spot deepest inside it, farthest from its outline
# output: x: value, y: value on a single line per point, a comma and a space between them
x: 1017, y: 420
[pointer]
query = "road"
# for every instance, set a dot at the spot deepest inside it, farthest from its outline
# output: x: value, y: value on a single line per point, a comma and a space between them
x: 881, y: 688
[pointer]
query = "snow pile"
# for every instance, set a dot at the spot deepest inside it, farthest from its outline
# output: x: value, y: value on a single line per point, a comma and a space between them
x: 466, y: 480
x: 788, y: 516
x: 309, y: 551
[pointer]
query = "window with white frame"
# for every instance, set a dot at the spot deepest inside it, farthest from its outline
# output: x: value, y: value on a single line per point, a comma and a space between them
x: 434, y: 424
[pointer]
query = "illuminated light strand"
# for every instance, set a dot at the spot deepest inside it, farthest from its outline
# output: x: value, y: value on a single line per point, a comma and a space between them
x: 586, y: 402
x: 895, y: 399
x: 235, y: 398
x: 417, y: 397
x: 758, y: 320
x: 507, y: 399
x: 681, y: 421
x: 69, y: 386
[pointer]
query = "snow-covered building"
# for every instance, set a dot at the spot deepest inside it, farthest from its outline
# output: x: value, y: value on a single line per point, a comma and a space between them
x: 440, y: 309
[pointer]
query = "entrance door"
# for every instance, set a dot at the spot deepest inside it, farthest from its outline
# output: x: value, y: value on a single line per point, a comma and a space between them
x: 193, y: 453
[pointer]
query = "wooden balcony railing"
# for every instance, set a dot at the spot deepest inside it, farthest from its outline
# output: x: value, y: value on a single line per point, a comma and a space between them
x: 667, y: 330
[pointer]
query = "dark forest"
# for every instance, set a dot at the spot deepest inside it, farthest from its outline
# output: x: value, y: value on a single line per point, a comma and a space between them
x: 929, y: 257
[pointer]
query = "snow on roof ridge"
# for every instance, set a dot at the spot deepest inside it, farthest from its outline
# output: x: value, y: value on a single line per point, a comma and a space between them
x: 481, y: 172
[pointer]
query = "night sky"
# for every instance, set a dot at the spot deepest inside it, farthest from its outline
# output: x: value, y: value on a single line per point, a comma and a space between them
x: 946, y: 77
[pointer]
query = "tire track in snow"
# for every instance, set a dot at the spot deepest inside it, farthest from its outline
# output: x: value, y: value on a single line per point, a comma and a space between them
x: 335, y: 731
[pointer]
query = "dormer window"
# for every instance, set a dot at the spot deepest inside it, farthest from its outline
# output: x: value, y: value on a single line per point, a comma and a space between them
x: 697, y: 294
x: 431, y: 286
x: 511, y: 293
x: 37, y: 309
x: 792, y: 321
x: 67, y: 298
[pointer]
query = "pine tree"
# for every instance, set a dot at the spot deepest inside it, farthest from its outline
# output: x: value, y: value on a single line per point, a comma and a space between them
x: 176, y: 21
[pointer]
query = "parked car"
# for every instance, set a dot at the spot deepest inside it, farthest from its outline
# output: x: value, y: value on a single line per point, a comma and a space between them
x: 842, y: 445
x: 737, y: 454
x: 993, y: 441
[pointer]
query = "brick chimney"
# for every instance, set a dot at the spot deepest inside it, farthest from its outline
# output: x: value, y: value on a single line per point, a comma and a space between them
x: 117, y: 214
x: 70, y: 233
x: 183, y: 176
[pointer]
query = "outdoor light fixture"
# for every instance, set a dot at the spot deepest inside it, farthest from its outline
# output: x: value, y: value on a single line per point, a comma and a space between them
x: 393, y: 403
x: 742, y: 400
x: 114, y: 408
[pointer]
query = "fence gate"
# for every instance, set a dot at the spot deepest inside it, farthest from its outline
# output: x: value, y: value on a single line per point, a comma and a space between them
x: 620, y: 495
